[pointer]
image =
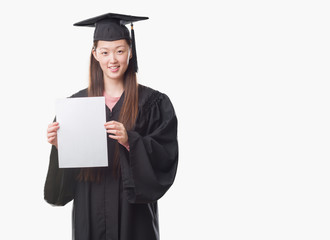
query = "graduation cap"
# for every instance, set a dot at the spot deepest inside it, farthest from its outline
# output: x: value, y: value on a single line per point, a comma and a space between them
x: 111, y: 27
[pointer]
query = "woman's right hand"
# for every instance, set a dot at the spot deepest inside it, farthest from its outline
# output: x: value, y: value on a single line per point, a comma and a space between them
x: 52, y: 133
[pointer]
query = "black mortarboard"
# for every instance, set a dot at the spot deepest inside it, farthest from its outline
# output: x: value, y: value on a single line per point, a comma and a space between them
x: 111, y: 27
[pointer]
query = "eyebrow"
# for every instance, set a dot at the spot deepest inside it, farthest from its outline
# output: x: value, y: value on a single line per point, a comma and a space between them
x: 115, y: 47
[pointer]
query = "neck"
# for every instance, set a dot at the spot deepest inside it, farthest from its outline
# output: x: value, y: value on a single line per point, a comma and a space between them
x: 113, y: 87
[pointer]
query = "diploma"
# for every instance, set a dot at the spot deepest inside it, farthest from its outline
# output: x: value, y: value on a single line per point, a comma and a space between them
x: 82, y: 137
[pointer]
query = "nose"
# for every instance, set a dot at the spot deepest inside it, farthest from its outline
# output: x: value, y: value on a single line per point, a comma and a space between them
x: 112, y: 58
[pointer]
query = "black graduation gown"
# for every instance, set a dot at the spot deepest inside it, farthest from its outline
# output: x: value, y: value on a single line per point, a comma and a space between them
x: 123, y: 208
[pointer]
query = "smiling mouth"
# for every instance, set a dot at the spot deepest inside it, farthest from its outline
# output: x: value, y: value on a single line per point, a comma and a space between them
x: 114, y: 69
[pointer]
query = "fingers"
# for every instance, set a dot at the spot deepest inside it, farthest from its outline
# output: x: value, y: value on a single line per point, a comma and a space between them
x: 53, y: 124
x: 53, y: 127
x: 116, y: 134
x: 121, y: 139
x: 110, y: 122
x: 109, y: 127
x: 52, y: 133
x: 115, y: 128
x: 51, y: 136
x: 117, y: 131
x: 51, y: 140
x: 115, y: 137
x: 113, y: 124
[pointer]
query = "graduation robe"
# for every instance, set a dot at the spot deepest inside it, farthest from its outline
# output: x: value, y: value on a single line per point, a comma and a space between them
x: 124, y: 207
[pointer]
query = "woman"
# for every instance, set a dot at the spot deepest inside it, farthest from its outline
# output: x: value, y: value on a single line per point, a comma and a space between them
x: 119, y: 201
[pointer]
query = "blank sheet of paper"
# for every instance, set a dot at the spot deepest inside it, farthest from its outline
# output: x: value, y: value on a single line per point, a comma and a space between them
x: 82, y: 137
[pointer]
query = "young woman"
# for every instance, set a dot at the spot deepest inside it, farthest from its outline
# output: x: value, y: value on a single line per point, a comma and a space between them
x: 119, y: 201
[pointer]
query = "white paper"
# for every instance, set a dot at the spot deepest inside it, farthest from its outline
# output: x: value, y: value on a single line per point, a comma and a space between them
x: 82, y: 137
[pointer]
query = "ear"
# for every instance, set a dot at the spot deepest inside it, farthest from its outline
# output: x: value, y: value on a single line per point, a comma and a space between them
x: 130, y: 53
x: 95, y: 55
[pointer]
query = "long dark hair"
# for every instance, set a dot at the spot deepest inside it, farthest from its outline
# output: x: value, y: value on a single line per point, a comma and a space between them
x: 128, y: 111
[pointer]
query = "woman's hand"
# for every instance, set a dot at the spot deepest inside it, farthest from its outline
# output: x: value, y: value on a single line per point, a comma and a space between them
x: 52, y: 133
x: 118, y: 132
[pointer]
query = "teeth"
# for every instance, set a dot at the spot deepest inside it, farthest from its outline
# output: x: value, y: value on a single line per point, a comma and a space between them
x: 113, y: 67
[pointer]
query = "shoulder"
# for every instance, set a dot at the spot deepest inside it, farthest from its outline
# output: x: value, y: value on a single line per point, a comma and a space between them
x: 149, y: 97
x: 81, y: 93
x: 155, y: 110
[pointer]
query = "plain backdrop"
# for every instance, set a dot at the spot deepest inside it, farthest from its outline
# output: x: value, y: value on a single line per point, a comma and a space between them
x: 249, y: 81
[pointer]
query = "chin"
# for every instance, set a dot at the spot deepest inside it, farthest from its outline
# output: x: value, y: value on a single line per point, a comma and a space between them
x: 115, y: 76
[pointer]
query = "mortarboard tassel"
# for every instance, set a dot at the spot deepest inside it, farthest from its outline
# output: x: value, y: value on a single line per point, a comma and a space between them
x: 134, y: 57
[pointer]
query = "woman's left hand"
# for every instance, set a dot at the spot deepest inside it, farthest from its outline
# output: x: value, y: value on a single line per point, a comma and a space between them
x: 118, y: 130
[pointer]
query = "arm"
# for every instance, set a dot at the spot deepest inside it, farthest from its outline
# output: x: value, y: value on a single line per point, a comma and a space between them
x: 149, y: 168
x: 60, y: 183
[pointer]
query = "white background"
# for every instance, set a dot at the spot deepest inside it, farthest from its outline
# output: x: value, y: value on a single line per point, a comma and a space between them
x: 250, y: 84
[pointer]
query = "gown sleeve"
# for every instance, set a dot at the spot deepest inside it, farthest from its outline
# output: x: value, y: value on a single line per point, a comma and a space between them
x: 149, y: 168
x: 60, y: 182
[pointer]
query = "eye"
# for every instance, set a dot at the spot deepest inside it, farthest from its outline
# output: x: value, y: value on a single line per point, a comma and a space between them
x: 120, y: 51
x: 104, y: 53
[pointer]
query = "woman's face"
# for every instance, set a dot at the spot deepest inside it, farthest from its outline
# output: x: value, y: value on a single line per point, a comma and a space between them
x: 113, y: 57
